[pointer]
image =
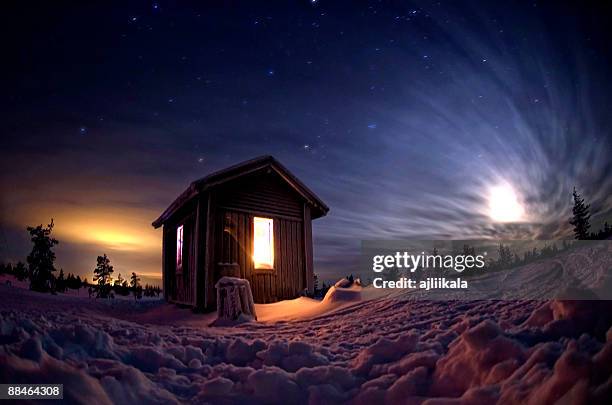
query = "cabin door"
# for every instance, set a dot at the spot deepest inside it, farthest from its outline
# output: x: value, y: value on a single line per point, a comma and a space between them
x: 231, y: 246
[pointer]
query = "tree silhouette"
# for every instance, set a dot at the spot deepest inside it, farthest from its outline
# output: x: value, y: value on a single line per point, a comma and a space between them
x: 119, y: 280
x: 580, y: 217
x: 60, y: 282
x: 41, y: 258
x: 324, y: 289
x: 603, y: 233
x: 73, y: 282
x: 102, y: 275
x: 505, y: 256
x: 21, y: 271
x: 135, y: 284
x: 120, y: 286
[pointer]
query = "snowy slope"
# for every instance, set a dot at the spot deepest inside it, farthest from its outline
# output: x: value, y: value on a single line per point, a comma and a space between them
x: 383, y: 350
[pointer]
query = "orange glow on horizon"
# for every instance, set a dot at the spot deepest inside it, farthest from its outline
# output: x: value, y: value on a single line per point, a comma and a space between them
x: 109, y: 228
x: 84, y: 232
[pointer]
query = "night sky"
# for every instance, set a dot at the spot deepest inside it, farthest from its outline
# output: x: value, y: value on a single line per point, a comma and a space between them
x: 401, y: 116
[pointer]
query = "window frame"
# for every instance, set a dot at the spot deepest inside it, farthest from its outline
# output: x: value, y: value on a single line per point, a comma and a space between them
x: 180, y: 245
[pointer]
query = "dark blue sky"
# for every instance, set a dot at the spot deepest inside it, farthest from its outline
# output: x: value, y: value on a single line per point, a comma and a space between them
x: 402, y: 116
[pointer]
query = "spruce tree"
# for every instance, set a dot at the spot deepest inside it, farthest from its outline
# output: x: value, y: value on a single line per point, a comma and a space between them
x: 134, y: 281
x: 135, y: 284
x: 102, y: 275
x: 580, y: 217
x: 60, y: 282
x: 41, y: 258
x: 507, y: 257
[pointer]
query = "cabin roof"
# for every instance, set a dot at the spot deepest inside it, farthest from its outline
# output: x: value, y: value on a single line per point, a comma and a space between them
x: 239, y: 170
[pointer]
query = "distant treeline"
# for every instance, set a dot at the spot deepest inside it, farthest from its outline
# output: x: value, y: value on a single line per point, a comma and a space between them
x: 40, y: 269
x: 320, y: 290
x: 507, y: 258
x: 106, y: 287
x: 61, y: 283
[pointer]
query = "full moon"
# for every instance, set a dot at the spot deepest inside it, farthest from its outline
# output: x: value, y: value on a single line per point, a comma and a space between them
x: 504, y: 205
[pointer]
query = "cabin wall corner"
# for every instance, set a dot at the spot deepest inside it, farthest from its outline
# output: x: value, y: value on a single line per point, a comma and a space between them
x: 308, y: 252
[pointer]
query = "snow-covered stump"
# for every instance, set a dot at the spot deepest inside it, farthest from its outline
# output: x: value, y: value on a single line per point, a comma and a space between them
x: 234, y: 301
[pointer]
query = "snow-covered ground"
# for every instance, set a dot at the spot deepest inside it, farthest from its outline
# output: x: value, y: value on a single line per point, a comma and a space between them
x: 353, y: 347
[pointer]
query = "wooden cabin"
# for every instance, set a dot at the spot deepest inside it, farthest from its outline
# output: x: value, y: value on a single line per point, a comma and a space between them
x: 251, y: 220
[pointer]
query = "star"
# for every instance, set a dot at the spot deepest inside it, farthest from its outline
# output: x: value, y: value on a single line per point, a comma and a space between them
x: 270, y: 72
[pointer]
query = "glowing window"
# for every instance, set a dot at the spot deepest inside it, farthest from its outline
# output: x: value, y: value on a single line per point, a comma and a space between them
x: 179, y: 247
x: 263, y: 243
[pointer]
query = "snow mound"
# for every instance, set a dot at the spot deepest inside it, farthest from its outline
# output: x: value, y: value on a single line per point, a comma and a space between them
x: 343, y: 294
x: 299, y: 308
x: 343, y: 291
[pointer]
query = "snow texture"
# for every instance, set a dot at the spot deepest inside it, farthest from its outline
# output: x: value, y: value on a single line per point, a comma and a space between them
x: 353, y: 351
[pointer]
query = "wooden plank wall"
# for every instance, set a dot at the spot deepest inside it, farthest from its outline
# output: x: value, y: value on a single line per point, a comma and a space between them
x: 234, y: 244
x: 200, y: 251
x: 308, y: 251
x: 167, y: 272
x: 181, y: 286
x: 262, y: 191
